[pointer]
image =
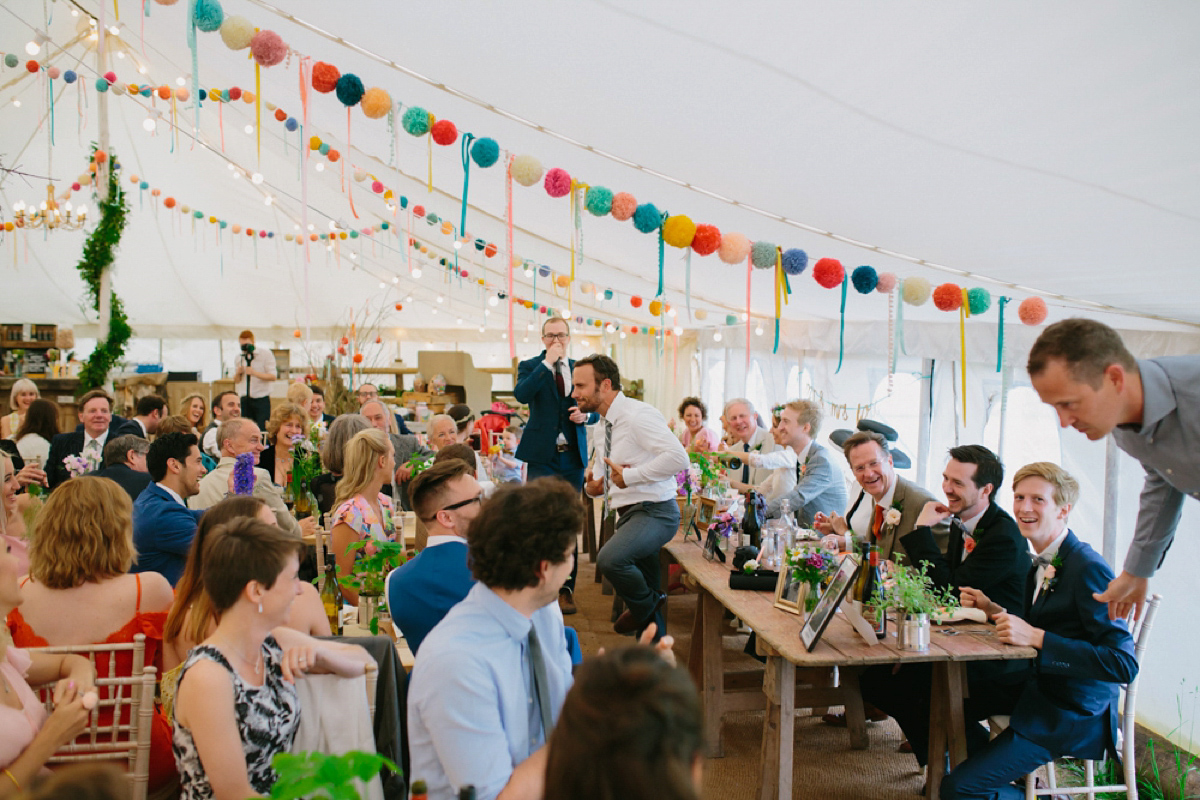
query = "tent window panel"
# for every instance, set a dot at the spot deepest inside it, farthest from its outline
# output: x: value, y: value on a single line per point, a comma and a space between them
x: 1030, y: 434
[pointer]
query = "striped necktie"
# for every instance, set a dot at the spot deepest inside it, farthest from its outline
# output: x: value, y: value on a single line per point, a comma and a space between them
x: 607, y: 470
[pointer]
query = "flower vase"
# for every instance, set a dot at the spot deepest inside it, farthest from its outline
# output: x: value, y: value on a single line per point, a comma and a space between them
x: 812, y: 595
x: 368, y: 607
x: 912, y: 632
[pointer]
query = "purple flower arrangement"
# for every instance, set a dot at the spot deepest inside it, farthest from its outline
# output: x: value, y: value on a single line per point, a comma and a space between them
x: 243, y: 474
x: 810, y: 566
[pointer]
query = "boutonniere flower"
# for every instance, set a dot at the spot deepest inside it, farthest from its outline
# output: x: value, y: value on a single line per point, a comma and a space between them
x: 804, y: 466
x: 750, y: 567
x: 1050, y: 574
x: 892, y: 517
x: 968, y: 542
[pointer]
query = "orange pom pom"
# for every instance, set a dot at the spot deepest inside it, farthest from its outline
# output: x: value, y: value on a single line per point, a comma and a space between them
x: 296, y: 333
x: 100, y: 156
x: 563, y: 280
x: 1032, y: 311
x: 334, y: 155
x: 948, y: 297
x: 399, y: 307
x: 164, y: 92
x: 358, y: 358
x: 636, y: 302
x: 280, y: 114
x: 169, y: 202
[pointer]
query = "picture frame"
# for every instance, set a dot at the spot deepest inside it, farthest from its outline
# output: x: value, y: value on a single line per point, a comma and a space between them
x: 789, y: 593
x: 706, y: 512
x: 687, y: 521
x: 819, y: 619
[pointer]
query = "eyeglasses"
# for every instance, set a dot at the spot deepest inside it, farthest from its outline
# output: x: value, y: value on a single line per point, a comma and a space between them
x: 550, y: 337
x: 476, y: 499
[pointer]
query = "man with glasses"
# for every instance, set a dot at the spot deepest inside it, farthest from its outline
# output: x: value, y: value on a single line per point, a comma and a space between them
x: 446, y: 498
x: 555, y: 440
x: 367, y: 392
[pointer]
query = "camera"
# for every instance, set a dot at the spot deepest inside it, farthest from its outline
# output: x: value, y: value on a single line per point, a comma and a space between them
x: 248, y: 348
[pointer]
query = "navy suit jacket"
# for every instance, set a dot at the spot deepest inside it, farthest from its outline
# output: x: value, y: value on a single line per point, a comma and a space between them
x: 71, y: 444
x: 1070, y: 705
x: 162, y: 533
x: 549, y: 412
x: 127, y: 478
x: 422, y: 591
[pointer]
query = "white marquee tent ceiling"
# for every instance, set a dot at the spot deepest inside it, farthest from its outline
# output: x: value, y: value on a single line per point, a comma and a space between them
x: 1052, y: 146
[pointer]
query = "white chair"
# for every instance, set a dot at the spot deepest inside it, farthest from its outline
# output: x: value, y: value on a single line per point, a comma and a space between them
x: 334, y: 718
x: 1141, y: 635
x: 130, y: 698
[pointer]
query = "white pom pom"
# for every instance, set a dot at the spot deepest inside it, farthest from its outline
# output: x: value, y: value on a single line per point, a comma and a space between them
x: 526, y: 170
x: 236, y: 32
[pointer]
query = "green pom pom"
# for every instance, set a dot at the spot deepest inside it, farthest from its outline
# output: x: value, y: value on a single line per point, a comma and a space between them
x: 208, y: 15
x: 731, y: 319
x: 598, y: 201
x: 11, y: 60
x: 762, y: 255
x: 415, y: 121
x: 979, y: 300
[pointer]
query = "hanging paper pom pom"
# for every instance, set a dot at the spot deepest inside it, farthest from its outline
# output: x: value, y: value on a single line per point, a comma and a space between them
x: 377, y: 187
x: 947, y: 297
x: 208, y: 15
x: 598, y: 200
x: 829, y: 272
x: 349, y: 89
x: 444, y: 132
x: 916, y: 291
x: 635, y: 301
x: 269, y: 49
x: 886, y: 282
x: 325, y: 77
x: 864, y: 279
x: 655, y: 308
x: 292, y: 124
x: 734, y: 248
x: 236, y: 32
x: 979, y: 300
x: 623, y: 206
x: 415, y: 121
x: 1032, y: 311
x: 678, y: 231
x: 557, y: 182
x: 234, y: 93
x: 647, y: 218
x: 485, y: 152
x: 69, y: 76
x: 53, y: 72
x: 376, y: 103
x: 182, y: 93
x: 706, y: 239
x: 526, y: 170
x: 762, y: 255
x: 11, y: 60
x: 730, y: 319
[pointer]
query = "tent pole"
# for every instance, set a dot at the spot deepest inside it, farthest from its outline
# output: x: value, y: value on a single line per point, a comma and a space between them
x: 1112, y: 479
x: 100, y: 182
x: 1005, y: 385
x: 925, y: 419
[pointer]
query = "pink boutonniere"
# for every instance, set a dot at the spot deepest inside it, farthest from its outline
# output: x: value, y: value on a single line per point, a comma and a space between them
x: 1050, y: 574
x: 968, y: 542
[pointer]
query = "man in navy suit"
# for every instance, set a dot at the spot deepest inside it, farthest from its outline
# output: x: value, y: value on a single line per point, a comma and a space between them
x: 446, y: 497
x: 125, y: 463
x: 554, y: 441
x: 1068, y: 703
x: 97, y: 425
x: 163, y: 525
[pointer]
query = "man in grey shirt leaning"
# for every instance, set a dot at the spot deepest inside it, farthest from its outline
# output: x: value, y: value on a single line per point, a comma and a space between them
x: 1152, y: 408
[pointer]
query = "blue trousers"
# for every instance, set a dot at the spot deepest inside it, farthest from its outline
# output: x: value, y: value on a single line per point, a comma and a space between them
x: 989, y: 772
x: 630, y: 558
x: 562, y: 467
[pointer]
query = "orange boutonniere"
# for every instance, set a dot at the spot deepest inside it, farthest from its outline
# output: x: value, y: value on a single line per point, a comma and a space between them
x: 968, y: 542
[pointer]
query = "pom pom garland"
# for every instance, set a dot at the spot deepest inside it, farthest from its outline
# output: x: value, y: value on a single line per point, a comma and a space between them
x: 292, y: 124
x: 795, y: 261
x: 762, y: 255
x: 32, y: 65
x: 208, y: 15
x: 678, y: 231
x: 268, y: 48
x: 376, y: 103
x: 101, y: 85
x: 11, y: 60
x: 948, y: 297
x: 1032, y: 311
x: 236, y: 32
x: 110, y: 76
x: 485, y: 152
x: 864, y: 279
x: 829, y: 272
x: 557, y: 182
x: 526, y: 170
x: 325, y: 77
x: 655, y: 308
x: 734, y: 248
x: 69, y: 76
x: 349, y: 89
x: 444, y: 132
x: 53, y: 72
x: 623, y: 206
x: 979, y: 300
x: 598, y: 201
x: 647, y: 218
x: 415, y: 121
x: 234, y: 93
x: 916, y: 291
x: 886, y: 283
x: 635, y: 301
x: 706, y: 240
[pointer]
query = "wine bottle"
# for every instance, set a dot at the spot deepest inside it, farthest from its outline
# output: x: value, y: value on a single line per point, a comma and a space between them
x: 466, y: 792
x: 876, y: 615
x: 859, y: 593
x: 331, y: 596
x: 419, y: 791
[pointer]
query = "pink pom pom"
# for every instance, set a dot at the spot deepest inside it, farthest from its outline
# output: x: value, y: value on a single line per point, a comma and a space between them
x: 948, y: 297
x: 829, y: 272
x: 887, y: 282
x: 734, y: 248
x: 53, y: 72
x: 110, y: 76
x: 377, y: 187
x: 623, y: 206
x: 268, y: 48
x: 1032, y: 311
x: 557, y: 182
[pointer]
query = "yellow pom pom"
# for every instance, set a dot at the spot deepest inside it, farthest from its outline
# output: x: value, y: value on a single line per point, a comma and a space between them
x: 678, y: 231
x: 655, y: 306
x: 376, y: 103
x: 314, y: 143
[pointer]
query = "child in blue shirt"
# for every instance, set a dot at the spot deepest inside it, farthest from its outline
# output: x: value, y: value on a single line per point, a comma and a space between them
x: 506, y: 468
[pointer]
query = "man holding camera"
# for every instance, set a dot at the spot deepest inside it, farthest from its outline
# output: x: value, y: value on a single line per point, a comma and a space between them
x: 254, y: 374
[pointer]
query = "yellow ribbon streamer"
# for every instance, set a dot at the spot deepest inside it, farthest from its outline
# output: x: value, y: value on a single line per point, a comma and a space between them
x: 429, y: 141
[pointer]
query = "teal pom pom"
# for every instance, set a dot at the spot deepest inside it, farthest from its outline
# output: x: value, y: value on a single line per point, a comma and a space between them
x: 144, y: 185
x: 349, y: 89
x: 598, y: 201
x: 11, y: 60
x: 762, y: 255
x: 647, y: 218
x: 198, y: 214
x: 101, y: 85
x: 403, y: 201
x: 415, y: 121
x: 324, y: 148
x: 979, y: 300
x: 795, y: 261
x: 864, y: 279
x: 485, y: 152
x: 432, y: 218
x: 608, y: 294
x: 208, y: 15
x: 222, y: 224
x: 203, y: 94
x: 353, y: 234
x: 731, y: 319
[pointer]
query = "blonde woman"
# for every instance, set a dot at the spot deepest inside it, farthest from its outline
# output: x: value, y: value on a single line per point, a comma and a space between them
x: 24, y: 392
x: 287, y: 423
x: 300, y: 394
x: 194, y: 408
x: 361, y: 510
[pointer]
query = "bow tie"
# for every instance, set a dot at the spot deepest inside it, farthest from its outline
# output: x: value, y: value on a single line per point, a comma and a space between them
x: 1041, y: 561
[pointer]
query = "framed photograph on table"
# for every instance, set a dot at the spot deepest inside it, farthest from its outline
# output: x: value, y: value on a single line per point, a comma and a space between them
x: 706, y: 512
x: 820, y: 617
x: 790, y: 591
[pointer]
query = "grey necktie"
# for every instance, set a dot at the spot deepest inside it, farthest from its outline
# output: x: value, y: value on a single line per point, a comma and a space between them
x: 540, y: 691
x: 746, y: 463
x: 607, y: 469
x: 959, y: 531
x: 1041, y: 561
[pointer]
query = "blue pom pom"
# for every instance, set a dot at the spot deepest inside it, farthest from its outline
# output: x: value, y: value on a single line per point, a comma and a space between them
x: 403, y: 201
x: 208, y: 15
x: 203, y: 95
x: 270, y: 234
x: 979, y: 300
x: 324, y: 148
x: 291, y: 124
x: 608, y: 294
x: 795, y: 261
x: 349, y: 89
x: 647, y: 218
x: 598, y: 201
x: 864, y: 279
x: 762, y: 255
x: 69, y: 76
x: 144, y: 185
x: 544, y: 271
x: 485, y: 152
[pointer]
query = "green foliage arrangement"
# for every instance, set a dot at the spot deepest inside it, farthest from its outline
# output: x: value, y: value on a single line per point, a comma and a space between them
x: 318, y: 775
x: 912, y: 591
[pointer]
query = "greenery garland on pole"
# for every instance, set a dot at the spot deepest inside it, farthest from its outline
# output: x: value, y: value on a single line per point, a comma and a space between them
x: 98, y: 257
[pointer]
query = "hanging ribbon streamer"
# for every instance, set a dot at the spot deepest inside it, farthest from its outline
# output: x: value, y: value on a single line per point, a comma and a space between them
x: 576, y: 211
x: 429, y: 142
x: 963, y: 312
x: 891, y: 338
x: 508, y: 255
x: 899, y: 321
x: 50, y: 89
x: 660, y: 257
x: 749, y: 272
x: 1002, y: 302
x: 842, y: 326
x: 304, y: 151
x: 175, y: 127
x: 258, y: 110
x: 783, y: 291
x: 145, y: 13
x: 221, y: 122
x: 191, y: 40
x: 467, y: 138
x: 116, y: 11
x: 687, y: 286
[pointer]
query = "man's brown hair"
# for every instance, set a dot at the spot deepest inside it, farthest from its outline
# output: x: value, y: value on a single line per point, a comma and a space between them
x: 808, y: 412
x: 862, y: 437
x: 92, y: 395
x: 428, y: 490
x: 1085, y: 346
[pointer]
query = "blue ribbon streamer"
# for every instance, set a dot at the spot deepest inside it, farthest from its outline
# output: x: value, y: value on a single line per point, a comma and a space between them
x: 660, y: 255
x: 842, y: 327
x: 900, y: 321
x: 1003, y: 301
x: 467, y: 138
x: 191, y: 40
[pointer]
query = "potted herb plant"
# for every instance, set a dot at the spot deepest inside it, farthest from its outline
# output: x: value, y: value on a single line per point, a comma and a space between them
x: 912, y: 593
x: 369, y: 577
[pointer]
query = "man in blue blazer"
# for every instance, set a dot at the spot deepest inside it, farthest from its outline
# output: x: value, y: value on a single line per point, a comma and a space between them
x: 163, y: 525
x: 554, y: 441
x: 97, y: 424
x: 819, y: 485
x: 1067, y: 705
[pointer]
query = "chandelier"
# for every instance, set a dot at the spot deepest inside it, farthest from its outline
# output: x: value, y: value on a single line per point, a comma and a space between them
x: 48, y: 214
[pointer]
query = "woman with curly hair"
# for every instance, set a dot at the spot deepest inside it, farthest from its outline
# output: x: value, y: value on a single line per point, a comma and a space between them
x: 696, y: 438
x: 287, y: 423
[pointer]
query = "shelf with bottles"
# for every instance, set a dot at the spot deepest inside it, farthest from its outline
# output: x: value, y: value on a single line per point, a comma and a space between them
x: 27, y: 336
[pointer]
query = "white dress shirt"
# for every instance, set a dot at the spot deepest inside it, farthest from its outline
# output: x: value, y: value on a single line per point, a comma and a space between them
x: 860, y: 523
x: 1050, y: 552
x: 641, y: 440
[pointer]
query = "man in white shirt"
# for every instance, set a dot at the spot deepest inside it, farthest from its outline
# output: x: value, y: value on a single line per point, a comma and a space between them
x: 253, y: 375
x: 637, y: 458
x: 150, y: 411
x: 749, y: 437
x: 225, y: 406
